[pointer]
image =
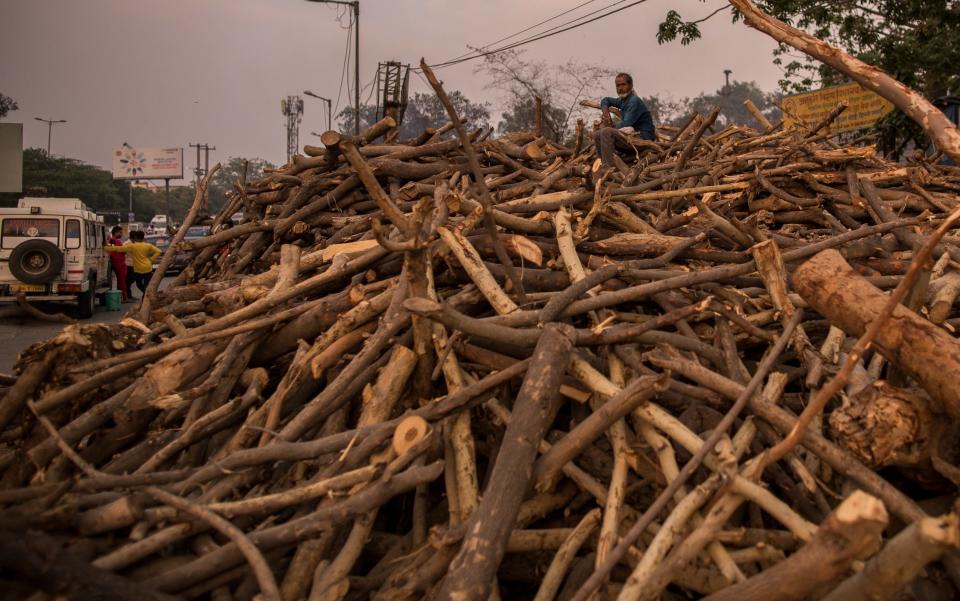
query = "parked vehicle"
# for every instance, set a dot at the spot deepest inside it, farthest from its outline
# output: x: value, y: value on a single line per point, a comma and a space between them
x: 52, y: 249
x: 158, y: 225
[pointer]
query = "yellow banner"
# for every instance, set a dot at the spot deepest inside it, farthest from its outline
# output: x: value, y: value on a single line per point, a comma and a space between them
x: 864, y: 107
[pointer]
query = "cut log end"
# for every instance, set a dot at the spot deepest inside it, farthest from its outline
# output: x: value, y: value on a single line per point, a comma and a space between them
x: 409, y: 432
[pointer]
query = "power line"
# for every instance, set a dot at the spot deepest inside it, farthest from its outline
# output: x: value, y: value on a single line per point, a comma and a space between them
x: 557, y: 16
x: 550, y: 33
x: 343, y: 72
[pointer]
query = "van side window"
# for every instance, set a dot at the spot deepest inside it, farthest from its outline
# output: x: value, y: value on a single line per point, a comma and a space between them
x: 72, y: 233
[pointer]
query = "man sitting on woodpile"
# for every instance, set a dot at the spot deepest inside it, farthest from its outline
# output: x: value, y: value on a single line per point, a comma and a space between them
x: 635, y: 119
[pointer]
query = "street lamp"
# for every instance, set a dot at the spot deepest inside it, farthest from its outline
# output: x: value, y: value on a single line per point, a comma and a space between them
x: 50, y: 123
x: 355, y: 5
x: 329, y: 107
x: 726, y: 88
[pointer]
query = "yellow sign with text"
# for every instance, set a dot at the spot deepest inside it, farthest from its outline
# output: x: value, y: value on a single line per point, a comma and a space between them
x: 864, y: 108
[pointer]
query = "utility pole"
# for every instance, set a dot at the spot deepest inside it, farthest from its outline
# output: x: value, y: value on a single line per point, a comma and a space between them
x: 198, y: 172
x: 50, y: 123
x: 329, y: 108
x: 355, y: 5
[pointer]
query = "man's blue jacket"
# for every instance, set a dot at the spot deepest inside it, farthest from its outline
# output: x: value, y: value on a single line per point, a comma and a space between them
x: 635, y: 114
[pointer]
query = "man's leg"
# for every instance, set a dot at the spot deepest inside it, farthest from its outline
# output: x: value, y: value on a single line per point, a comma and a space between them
x: 604, y: 138
x: 122, y: 282
x: 143, y: 279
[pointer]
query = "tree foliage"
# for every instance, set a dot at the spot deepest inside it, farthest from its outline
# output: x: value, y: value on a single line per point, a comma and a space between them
x: 730, y: 99
x: 45, y: 175
x: 560, y: 88
x: 7, y: 105
x: 423, y: 111
x: 235, y: 169
x: 915, y: 41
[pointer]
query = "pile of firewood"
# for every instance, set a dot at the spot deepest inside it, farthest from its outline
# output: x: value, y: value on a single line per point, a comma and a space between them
x: 457, y: 367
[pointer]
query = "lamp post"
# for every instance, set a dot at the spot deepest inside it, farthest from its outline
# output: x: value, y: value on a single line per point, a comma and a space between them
x: 726, y: 87
x: 50, y: 123
x: 329, y: 107
x: 355, y: 5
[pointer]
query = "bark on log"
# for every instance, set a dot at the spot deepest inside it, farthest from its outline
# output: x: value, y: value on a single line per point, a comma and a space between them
x: 472, y: 570
x: 851, y: 532
x: 924, y: 351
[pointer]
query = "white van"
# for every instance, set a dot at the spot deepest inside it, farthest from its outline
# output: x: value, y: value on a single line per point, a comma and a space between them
x: 158, y: 225
x: 52, y: 249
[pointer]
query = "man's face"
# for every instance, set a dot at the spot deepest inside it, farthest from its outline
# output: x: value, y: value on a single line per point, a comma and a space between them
x: 623, y: 87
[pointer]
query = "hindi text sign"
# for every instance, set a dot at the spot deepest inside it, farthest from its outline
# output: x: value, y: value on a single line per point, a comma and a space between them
x: 864, y: 107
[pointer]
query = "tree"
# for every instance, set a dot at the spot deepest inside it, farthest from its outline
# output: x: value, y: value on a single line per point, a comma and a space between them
x: 235, y: 169
x: 665, y: 110
x: 560, y: 88
x: 423, y: 111
x: 730, y: 100
x: 522, y: 116
x: 63, y: 177
x: 7, y: 104
x: 915, y: 41
x: 668, y: 111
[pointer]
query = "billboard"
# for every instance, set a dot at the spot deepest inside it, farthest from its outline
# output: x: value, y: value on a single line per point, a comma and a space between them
x: 147, y: 163
x: 11, y: 157
x: 864, y: 107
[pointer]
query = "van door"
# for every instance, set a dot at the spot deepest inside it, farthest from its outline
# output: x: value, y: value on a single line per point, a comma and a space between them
x: 103, y: 259
x: 74, y: 259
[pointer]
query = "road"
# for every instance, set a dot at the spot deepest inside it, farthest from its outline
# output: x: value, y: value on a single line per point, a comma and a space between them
x: 19, y: 332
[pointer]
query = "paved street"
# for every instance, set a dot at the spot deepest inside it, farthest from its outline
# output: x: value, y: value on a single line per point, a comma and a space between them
x: 19, y: 332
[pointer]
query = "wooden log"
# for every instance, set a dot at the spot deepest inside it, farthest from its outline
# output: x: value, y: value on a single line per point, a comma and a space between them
x: 633, y: 244
x: 900, y: 561
x: 885, y: 425
x: 851, y: 532
x: 47, y: 564
x: 472, y: 569
x: 923, y: 350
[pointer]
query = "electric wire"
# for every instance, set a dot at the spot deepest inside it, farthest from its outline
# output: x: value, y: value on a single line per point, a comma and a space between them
x: 564, y: 27
x: 343, y: 72
x: 534, y: 26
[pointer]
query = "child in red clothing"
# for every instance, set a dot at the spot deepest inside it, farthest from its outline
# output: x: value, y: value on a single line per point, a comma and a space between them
x: 118, y: 261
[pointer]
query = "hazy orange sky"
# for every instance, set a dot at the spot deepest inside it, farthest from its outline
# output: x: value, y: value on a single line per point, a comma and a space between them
x: 181, y: 71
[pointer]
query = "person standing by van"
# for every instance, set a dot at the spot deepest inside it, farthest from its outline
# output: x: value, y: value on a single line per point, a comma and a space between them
x: 143, y: 255
x: 118, y: 261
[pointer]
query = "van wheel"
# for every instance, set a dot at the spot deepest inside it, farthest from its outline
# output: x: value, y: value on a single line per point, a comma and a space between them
x: 85, y: 302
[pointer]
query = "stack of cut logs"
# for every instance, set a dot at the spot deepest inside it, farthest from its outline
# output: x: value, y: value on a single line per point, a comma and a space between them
x: 457, y: 367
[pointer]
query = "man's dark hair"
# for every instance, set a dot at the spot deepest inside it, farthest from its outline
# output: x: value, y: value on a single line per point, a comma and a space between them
x: 136, y: 235
x: 116, y: 230
x: 625, y: 76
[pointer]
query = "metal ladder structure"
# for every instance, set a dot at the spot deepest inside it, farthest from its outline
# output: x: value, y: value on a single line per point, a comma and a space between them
x: 393, y: 83
x: 292, y: 108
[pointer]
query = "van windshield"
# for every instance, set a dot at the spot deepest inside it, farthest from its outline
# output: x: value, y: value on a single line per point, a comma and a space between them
x: 16, y: 230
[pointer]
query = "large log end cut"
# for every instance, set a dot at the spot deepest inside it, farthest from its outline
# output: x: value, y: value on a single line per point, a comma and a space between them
x: 886, y: 425
x: 923, y: 350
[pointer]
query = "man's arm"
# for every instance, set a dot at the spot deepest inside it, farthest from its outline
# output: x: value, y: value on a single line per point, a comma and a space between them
x: 155, y: 253
x: 116, y: 249
x: 605, y: 104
